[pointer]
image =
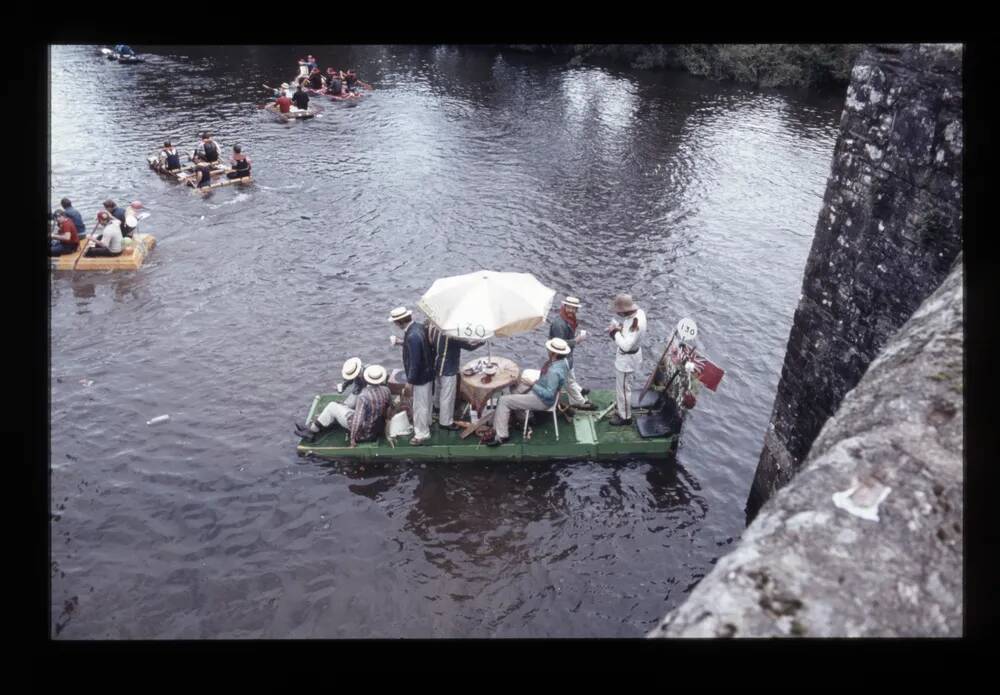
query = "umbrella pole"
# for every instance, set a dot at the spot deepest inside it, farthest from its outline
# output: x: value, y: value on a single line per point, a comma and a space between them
x: 489, y: 349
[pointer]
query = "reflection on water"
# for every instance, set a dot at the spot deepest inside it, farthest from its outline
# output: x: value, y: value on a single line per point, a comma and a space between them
x: 698, y: 197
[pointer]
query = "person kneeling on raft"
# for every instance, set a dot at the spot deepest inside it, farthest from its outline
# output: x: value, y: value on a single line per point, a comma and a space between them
x: 66, y: 240
x: 107, y: 237
x: 239, y: 163
x: 541, y: 396
x: 364, y: 422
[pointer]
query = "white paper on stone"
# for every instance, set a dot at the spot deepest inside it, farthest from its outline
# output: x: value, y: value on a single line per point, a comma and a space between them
x: 862, y: 499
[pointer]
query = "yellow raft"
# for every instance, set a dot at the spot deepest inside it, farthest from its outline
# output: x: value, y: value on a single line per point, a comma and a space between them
x: 131, y: 258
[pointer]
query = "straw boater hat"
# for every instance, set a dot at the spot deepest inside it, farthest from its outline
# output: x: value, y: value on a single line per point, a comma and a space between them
x: 623, y: 302
x: 399, y: 313
x: 351, y: 369
x: 558, y: 346
x: 572, y: 301
x: 284, y: 85
x: 375, y: 375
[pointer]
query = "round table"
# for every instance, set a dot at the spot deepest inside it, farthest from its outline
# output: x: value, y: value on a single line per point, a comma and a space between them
x: 476, y: 392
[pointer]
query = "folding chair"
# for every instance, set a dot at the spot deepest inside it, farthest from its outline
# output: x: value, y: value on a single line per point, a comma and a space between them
x: 555, y: 416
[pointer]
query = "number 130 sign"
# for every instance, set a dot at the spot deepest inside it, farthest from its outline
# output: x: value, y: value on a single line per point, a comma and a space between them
x: 470, y: 330
x: 687, y: 329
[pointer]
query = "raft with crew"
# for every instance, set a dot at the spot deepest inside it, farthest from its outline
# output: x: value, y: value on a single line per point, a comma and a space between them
x: 122, y: 54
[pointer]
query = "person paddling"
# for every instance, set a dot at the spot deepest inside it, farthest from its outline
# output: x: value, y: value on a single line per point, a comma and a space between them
x: 240, y: 164
x: 107, y: 238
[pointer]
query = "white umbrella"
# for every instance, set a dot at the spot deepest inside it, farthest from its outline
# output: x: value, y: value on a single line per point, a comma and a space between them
x: 485, y: 303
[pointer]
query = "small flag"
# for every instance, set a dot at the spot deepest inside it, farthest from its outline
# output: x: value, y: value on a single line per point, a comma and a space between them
x: 708, y: 373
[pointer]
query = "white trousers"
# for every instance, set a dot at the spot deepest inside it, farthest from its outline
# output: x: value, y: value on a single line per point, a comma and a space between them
x: 336, y: 411
x: 514, y: 401
x: 573, y: 390
x: 422, y: 410
x: 623, y: 394
x: 446, y: 386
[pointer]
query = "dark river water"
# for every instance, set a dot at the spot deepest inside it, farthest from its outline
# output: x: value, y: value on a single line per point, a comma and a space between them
x: 699, y: 198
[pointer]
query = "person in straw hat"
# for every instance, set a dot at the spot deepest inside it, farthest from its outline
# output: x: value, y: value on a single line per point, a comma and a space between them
x: 365, y: 421
x: 418, y: 363
x: 565, y: 326
x: 541, y: 396
x: 353, y: 382
x: 627, y: 336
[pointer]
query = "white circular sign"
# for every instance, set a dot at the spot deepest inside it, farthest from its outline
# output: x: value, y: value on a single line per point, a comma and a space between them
x: 687, y: 329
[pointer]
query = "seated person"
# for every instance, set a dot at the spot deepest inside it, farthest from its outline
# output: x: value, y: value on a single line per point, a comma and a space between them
x: 170, y: 158
x: 542, y: 394
x: 73, y: 214
x: 131, y: 223
x: 203, y: 171
x: 240, y: 164
x: 107, y: 237
x: 301, y: 98
x: 353, y: 83
x: 364, y: 422
x: 353, y: 381
x: 65, y: 239
x: 208, y: 149
x: 124, y: 50
x: 115, y: 211
x: 283, y: 101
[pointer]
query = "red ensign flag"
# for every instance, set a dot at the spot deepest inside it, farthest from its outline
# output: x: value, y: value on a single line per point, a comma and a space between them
x: 708, y: 373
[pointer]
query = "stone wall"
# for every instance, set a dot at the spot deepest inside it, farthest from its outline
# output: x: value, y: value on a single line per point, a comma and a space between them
x: 888, y: 231
x: 867, y: 539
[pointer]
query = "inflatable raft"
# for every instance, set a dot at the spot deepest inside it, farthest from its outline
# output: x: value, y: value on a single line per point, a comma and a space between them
x: 121, y: 58
x: 294, y: 114
x: 585, y: 435
x: 131, y: 258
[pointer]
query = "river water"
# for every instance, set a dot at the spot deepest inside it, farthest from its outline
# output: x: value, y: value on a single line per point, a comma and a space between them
x: 699, y: 198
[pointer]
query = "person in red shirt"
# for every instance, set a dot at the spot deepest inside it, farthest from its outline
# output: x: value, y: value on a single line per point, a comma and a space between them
x: 66, y: 240
x: 284, y: 103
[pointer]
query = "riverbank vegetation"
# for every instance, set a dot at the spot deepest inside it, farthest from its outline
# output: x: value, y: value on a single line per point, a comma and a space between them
x: 760, y: 64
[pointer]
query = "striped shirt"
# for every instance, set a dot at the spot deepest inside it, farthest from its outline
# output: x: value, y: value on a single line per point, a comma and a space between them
x: 369, y: 412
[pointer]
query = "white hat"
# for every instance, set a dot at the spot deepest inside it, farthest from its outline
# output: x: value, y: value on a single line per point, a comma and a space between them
x: 623, y: 302
x: 400, y: 312
x: 572, y: 301
x: 558, y: 346
x: 352, y: 368
x: 284, y: 85
x: 375, y: 374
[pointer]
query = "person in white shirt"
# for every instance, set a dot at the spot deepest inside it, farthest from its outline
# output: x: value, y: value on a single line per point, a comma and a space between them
x: 627, y: 336
x: 131, y: 225
x: 107, y: 237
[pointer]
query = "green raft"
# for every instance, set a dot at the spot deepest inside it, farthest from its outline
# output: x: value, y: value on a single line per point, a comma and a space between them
x: 585, y: 438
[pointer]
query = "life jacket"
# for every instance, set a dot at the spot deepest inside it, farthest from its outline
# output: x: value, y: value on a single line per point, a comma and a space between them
x: 242, y: 164
x: 204, y: 176
x: 173, y: 159
x: 211, y: 151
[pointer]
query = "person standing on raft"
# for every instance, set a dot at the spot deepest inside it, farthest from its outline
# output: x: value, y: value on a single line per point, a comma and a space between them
x: 628, y: 354
x: 565, y: 326
x: 418, y: 363
x: 301, y: 98
x: 447, y: 353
